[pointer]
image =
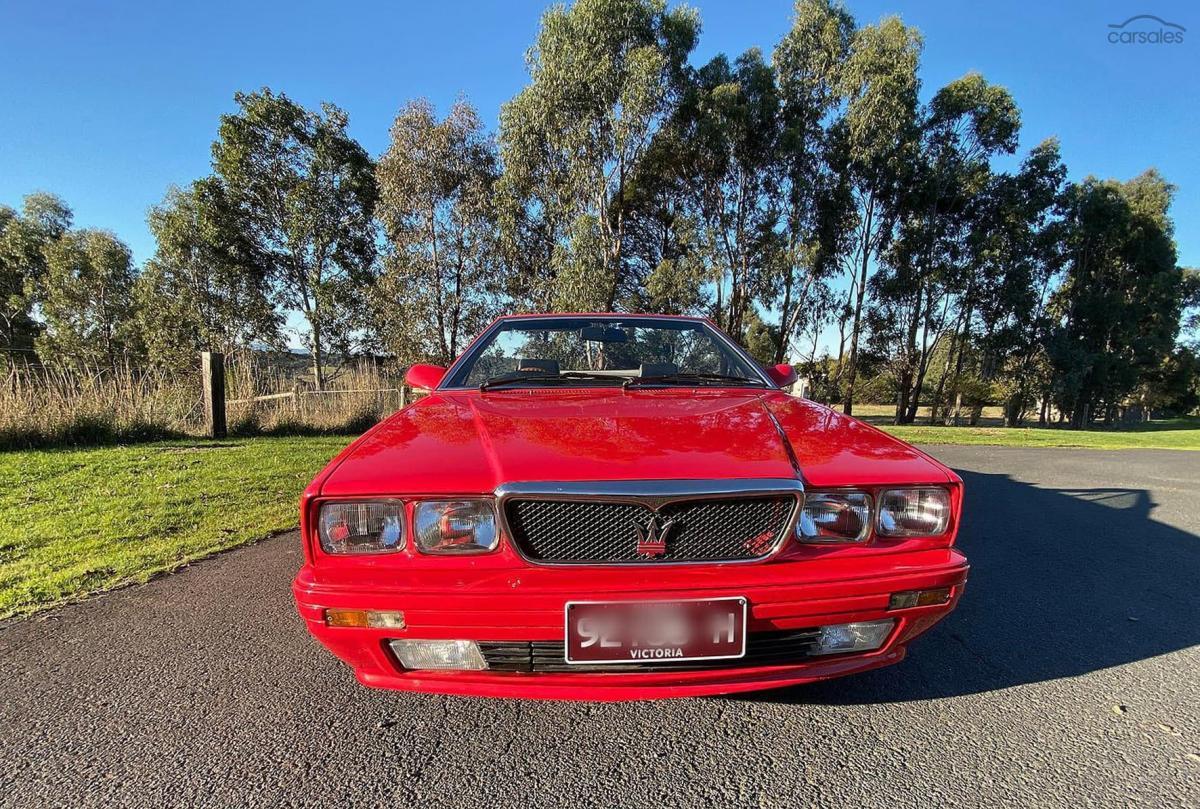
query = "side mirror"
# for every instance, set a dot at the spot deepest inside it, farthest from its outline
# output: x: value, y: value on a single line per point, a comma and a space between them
x: 782, y: 375
x: 423, y: 376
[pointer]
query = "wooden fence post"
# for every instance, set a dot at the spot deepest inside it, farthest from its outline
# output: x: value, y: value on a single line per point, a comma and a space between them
x: 212, y: 372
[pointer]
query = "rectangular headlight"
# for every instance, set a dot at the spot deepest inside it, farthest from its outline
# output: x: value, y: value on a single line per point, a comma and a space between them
x: 455, y: 527
x: 914, y: 512
x: 361, y: 526
x: 835, y: 517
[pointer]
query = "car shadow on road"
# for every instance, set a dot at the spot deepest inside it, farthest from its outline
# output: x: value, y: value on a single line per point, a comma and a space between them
x: 1063, y: 582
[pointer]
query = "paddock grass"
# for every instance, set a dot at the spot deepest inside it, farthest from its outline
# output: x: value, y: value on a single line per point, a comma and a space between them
x: 1180, y: 433
x: 76, y: 522
x: 1167, y: 434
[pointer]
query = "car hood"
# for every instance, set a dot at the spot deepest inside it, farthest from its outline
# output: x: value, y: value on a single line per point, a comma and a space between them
x: 472, y: 442
x: 469, y: 442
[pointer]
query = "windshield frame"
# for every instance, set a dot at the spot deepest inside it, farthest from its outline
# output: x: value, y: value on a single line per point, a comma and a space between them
x: 485, y: 338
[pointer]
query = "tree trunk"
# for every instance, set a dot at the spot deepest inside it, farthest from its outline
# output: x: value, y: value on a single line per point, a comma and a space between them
x: 955, y: 388
x: 1011, y: 410
x: 903, y: 388
x: 856, y: 327
x: 909, y: 396
x: 318, y: 368
x: 784, y: 315
x: 914, y: 402
x: 955, y: 416
x: 941, y: 386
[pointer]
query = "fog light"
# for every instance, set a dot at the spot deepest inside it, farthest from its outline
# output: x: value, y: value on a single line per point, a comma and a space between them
x: 374, y: 619
x: 919, y: 598
x: 439, y: 654
x: 858, y: 637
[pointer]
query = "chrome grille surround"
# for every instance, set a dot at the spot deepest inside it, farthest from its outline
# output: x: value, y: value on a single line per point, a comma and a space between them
x: 619, y: 505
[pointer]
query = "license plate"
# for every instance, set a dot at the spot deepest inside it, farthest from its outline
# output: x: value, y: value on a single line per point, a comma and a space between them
x: 655, y: 631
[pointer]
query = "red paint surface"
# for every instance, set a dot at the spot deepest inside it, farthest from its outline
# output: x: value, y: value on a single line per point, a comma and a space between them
x: 468, y: 443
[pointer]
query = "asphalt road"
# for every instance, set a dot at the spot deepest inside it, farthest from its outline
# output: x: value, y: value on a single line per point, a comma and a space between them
x: 1069, y: 676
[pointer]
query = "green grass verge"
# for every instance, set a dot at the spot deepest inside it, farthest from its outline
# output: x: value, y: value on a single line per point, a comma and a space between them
x: 1171, y: 434
x: 78, y: 521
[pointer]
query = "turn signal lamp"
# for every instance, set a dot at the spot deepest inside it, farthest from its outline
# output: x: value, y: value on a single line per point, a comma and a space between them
x: 367, y: 619
x: 919, y: 598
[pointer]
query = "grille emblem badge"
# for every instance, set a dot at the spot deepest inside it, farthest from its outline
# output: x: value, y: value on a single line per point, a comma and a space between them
x: 652, y: 537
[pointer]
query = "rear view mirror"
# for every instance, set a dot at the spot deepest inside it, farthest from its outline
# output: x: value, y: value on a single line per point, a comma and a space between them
x: 603, y: 334
x: 424, y: 377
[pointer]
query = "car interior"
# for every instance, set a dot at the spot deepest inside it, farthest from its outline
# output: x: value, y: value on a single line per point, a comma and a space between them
x: 533, y: 365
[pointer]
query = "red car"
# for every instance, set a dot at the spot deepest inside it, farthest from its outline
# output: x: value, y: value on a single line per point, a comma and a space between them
x: 622, y: 507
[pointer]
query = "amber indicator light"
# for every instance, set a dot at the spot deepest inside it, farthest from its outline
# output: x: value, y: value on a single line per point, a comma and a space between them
x: 919, y: 598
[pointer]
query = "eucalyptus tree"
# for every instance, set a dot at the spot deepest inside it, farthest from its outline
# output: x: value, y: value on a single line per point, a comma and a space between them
x: 203, y: 289
x: 816, y: 217
x: 442, y: 276
x: 664, y: 246
x: 729, y: 125
x: 24, y: 238
x: 1173, y: 388
x: 604, y: 75
x: 87, y: 302
x: 1189, y: 324
x: 302, y: 190
x: 876, y: 140
x: 1120, y: 302
x: 1016, y: 256
x: 926, y: 287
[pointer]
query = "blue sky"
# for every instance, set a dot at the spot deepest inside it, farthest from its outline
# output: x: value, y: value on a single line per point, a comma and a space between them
x: 107, y: 104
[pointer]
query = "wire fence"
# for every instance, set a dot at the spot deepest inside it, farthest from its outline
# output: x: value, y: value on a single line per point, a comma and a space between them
x: 266, y: 395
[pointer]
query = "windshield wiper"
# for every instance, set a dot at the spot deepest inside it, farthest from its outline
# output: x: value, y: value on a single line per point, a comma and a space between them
x: 517, y: 377
x: 691, y: 379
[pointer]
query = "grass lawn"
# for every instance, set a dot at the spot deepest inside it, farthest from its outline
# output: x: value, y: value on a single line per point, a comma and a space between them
x: 77, y: 521
x: 1167, y: 434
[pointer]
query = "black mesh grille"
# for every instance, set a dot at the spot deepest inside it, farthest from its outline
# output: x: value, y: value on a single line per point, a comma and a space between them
x: 705, y: 530
x: 762, y: 649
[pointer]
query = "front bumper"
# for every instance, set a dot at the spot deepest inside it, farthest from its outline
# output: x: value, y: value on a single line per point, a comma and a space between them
x: 527, y: 604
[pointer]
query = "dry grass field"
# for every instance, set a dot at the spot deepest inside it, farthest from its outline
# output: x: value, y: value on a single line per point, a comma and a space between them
x: 44, y: 409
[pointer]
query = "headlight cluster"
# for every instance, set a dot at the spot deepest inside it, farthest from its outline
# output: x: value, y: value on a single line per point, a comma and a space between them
x: 914, y: 512
x: 455, y: 527
x: 841, y: 517
x: 846, y: 517
x: 366, y: 526
x: 440, y: 527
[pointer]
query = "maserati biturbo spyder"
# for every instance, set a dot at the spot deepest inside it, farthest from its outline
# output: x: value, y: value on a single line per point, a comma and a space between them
x: 616, y: 507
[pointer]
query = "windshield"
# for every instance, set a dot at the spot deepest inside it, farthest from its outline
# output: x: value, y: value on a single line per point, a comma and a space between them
x: 602, y: 351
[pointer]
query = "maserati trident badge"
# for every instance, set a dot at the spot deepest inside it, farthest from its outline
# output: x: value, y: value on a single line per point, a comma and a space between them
x: 652, y: 537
